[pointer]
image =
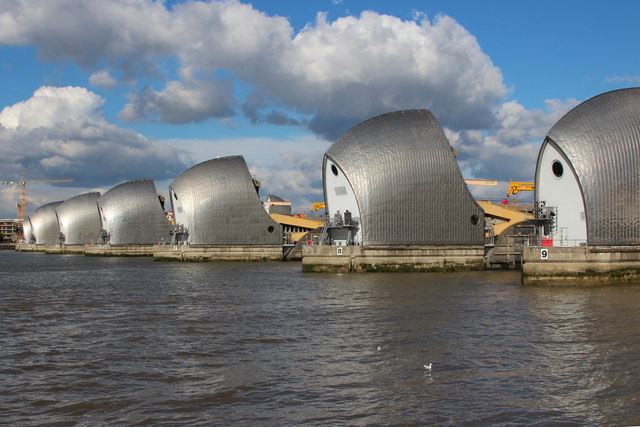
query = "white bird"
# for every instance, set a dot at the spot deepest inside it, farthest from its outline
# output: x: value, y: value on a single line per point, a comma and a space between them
x: 379, y: 348
x: 428, y: 367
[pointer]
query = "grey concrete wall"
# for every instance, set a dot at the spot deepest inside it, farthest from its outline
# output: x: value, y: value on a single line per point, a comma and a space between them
x: 218, y: 253
x: 411, y: 258
x: 593, y: 263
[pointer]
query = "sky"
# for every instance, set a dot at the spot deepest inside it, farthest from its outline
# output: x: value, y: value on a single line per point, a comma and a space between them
x: 111, y: 91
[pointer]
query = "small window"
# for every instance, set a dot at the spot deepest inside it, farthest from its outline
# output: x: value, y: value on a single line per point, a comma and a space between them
x: 334, y: 169
x: 270, y: 229
x: 474, y: 219
x: 557, y: 169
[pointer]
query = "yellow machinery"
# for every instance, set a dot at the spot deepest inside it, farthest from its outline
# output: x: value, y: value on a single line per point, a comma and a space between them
x: 514, y: 187
x: 22, y: 205
x: 317, y: 206
x: 503, y: 216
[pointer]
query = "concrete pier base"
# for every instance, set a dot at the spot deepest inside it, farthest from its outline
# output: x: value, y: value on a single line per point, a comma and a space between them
x: 580, y: 265
x: 119, y: 250
x: 65, y: 249
x: 385, y: 259
x: 30, y: 247
x: 184, y: 253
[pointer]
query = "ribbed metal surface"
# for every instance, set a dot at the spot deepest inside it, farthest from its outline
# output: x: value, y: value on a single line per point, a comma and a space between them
x: 407, y: 183
x: 44, y: 224
x: 27, y: 236
x: 278, y: 209
x: 222, y: 205
x: 79, y: 219
x: 132, y: 215
x: 601, y: 139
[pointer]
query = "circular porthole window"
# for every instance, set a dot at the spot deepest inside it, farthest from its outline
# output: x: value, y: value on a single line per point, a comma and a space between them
x: 270, y: 229
x: 334, y: 169
x: 557, y: 169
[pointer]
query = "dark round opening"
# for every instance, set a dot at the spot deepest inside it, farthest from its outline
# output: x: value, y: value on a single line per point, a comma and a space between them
x: 334, y: 169
x: 270, y: 229
x: 557, y: 169
x: 474, y: 219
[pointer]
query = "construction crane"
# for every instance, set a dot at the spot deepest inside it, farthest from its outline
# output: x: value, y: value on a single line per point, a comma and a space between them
x: 22, y: 205
x: 514, y: 187
x: 317, y: 206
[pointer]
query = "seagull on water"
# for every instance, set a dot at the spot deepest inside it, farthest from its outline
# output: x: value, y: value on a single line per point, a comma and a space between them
x: 379, y: 348
x: 428, y: 367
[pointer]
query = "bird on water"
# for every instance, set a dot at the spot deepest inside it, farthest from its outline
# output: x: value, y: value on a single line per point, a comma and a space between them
x: 428, y: 367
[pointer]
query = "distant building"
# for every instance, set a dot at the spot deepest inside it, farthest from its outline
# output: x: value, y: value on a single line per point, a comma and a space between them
x: 216, y: 202
x: 9, y: 229
x: 277, y: 205
x: 588, y: 172
x: 44, y: 225
x: 131, y: 214
x: 79, y: 219
x: 395, y: 179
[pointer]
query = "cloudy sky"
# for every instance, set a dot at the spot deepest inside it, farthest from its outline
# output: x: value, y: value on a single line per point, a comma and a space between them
x: 105, y: 92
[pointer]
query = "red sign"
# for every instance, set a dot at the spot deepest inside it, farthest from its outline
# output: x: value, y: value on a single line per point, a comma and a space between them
x: 547, y: 242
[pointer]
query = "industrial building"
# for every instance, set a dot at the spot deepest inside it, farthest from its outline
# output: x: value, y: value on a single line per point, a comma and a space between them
x: 9, y: 229
x: 132, y: 214
x: 587, y: 188
x: 79, y: 220
x: 44, y: 225
x: 395, y: 199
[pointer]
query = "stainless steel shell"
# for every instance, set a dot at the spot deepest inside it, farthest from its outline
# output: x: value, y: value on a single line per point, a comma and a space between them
x: 601, y: 140
x: 44, y: 224
x: 407, y: 183
x: 132, y: 215
x: 79, y: 220
x: 221, y: 205
x: 27, y: 236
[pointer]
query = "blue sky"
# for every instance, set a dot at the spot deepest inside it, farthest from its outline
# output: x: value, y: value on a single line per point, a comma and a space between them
x: 105, y: 92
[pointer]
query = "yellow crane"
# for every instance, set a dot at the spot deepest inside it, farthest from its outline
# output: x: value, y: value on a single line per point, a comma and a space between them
x: 22, y: 205
x: 514, y: 187
x: 317, y: 206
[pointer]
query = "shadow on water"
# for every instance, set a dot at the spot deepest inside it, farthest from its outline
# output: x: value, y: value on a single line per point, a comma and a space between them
x: 122, y: 340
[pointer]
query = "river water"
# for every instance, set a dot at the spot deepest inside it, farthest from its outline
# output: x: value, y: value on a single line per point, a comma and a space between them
x: 102, y: 341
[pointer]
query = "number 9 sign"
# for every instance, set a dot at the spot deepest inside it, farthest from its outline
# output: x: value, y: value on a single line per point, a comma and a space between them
x: 544, y: 253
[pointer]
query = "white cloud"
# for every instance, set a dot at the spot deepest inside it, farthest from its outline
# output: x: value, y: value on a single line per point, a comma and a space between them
x: 103, y: 79
x: 334, y: 74
x: 180, y: 103
x: 626, y: 79
x: 49, y: 105
x: 510, y: 151
x: 61, y: 133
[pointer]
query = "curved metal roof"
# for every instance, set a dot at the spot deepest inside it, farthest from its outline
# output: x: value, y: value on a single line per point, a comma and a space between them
x: 27, y: 236
x: 407, y: 183
x: 44, y: 224
x: 601, y: 140
x: 79, y: 219
x: 132, y: 215
x: 222, y: 205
